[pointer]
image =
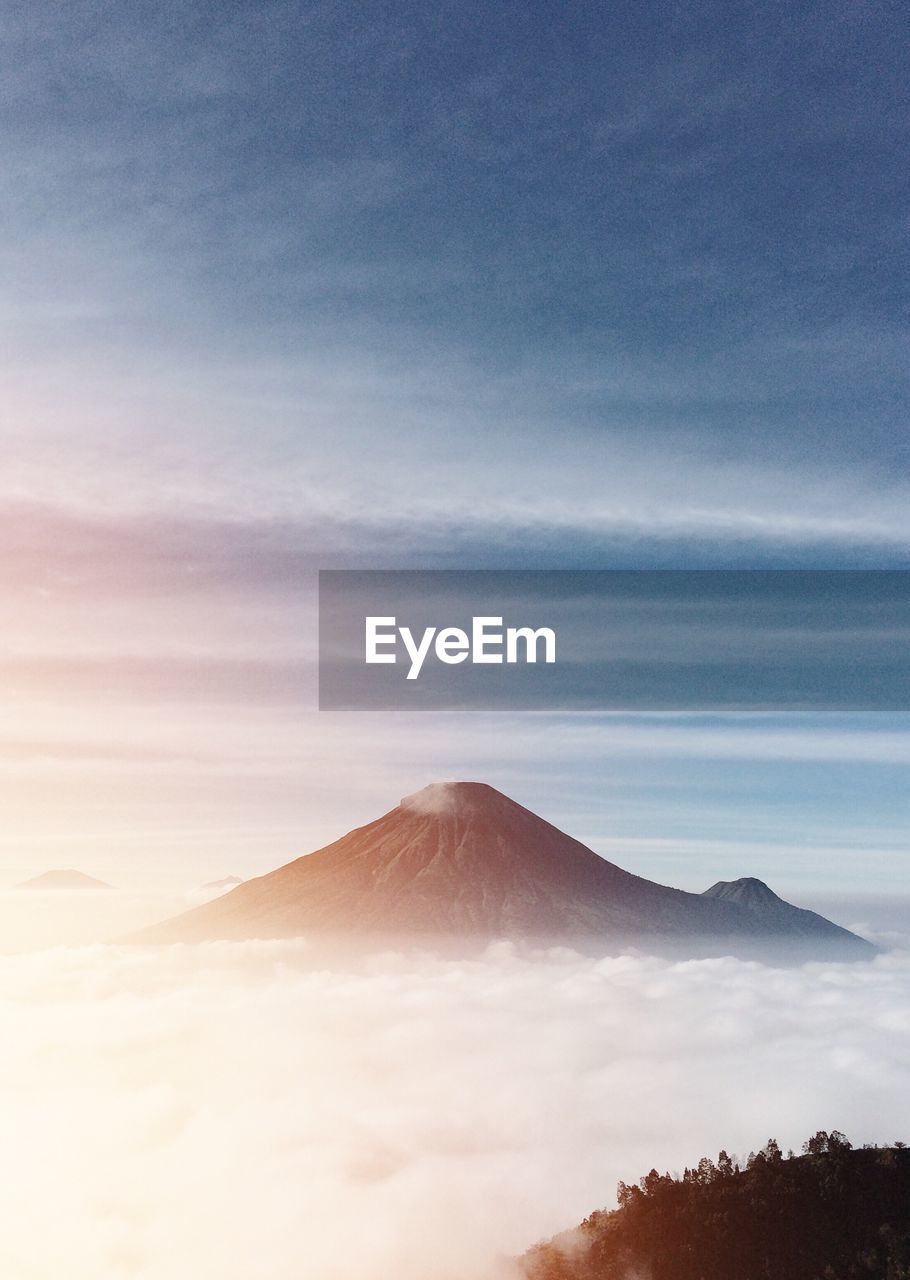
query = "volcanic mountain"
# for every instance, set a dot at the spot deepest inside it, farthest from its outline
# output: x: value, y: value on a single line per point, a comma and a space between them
x: 462, y: 861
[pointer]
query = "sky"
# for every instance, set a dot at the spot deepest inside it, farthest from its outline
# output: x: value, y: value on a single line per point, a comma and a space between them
x: 287, y: 287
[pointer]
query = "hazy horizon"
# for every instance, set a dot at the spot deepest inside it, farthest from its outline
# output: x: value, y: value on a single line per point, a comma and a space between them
x: 49, y: 909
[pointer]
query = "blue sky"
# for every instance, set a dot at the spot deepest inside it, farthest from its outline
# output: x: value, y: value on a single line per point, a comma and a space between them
x: 287, y: 286
x: 648, y: 261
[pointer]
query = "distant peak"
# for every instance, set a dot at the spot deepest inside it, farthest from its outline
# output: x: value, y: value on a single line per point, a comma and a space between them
x: 229, y: 882
x: 747, y: 890
x: 63, y: 879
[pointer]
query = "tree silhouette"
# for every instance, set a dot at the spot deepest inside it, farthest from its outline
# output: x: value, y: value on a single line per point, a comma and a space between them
x: 831, y: 1213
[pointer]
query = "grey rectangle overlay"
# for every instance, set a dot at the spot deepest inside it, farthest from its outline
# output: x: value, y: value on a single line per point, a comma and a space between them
x: 623, y: 640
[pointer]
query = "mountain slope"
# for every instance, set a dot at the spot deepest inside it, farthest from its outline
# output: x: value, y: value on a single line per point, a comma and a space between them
x: 463, y: 860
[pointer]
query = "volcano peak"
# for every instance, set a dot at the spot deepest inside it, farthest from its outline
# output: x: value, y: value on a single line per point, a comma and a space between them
x: 451, y: 797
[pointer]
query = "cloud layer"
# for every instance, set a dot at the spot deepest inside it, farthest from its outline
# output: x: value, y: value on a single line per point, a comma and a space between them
x: 239, y: 1110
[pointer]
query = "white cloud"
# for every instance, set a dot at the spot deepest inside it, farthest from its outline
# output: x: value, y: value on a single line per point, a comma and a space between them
x: 239, y: 1110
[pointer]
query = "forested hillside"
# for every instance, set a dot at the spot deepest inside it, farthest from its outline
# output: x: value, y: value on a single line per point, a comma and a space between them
x: 830, y: 1213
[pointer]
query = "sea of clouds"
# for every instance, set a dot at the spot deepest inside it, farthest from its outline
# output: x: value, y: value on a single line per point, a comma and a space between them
x: 239, y: 1110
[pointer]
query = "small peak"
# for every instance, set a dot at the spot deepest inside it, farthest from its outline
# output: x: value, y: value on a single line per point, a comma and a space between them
x: 229, y: 882
x: 747, y: 890
x: 63, y: 879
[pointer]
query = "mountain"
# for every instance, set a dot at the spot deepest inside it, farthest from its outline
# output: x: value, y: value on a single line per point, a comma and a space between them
x: 213, y: 886
x: 748, y: 892
x: 831, y: 1212
x: 771, y: 912
x: 462, y: 861
x: 63, y: 880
